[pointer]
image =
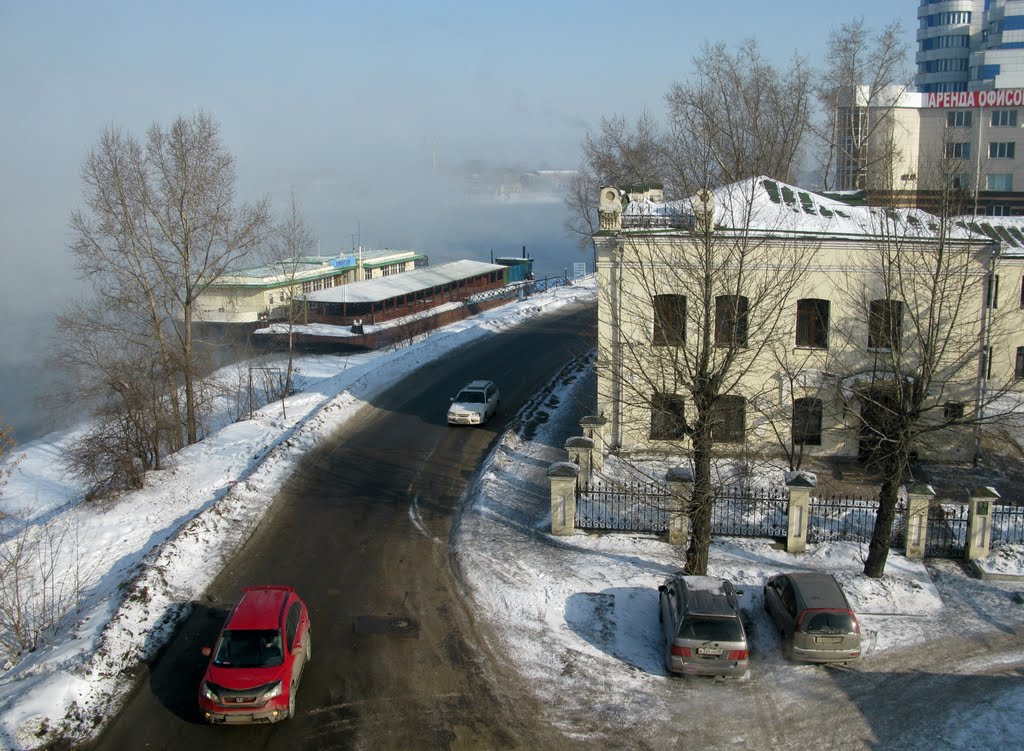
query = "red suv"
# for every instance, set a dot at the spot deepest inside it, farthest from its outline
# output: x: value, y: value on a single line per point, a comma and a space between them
x: 255, y: 668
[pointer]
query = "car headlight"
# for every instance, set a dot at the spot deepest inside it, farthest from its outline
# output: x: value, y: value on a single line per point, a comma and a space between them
x: 273, y: 692
x: 209, y: 693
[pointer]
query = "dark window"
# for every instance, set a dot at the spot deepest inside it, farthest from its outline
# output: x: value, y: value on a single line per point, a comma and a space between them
x: 953, y: 411
x: 992, y: 291
x: 731, y: 321
x: 812, y: 323
x: 1018, y: 368
x: 807, y: 421
x: 668, y: 417
x: 729, y: 420
x: 669, y: 319
x: 292, y: 623
x: 884, y: 324
x: 958, y: 150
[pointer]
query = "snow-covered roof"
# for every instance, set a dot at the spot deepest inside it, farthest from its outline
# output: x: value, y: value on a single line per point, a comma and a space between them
x: 761, y: 204
x: 374, y: 290
x: 310, y: 267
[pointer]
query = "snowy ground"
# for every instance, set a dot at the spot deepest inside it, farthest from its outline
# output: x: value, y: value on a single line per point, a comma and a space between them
x: 572, y: 612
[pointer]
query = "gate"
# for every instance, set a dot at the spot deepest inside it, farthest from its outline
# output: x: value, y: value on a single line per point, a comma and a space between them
x: 750, y: 513
x: 1007, y: 525
x: 853, y: 519
x: 947, y: 530
x: 632, y: 507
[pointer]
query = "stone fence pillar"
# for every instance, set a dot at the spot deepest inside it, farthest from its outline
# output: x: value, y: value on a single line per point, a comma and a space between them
x: 581, y: 453
x: 799, y: 484
x: 979, y: 523
x: 562, y: 478
x: 680, y: 486
x: 593, y: 428
x: 919, y: 497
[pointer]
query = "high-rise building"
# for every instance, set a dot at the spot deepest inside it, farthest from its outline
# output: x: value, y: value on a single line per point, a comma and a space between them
x: 970, y: 45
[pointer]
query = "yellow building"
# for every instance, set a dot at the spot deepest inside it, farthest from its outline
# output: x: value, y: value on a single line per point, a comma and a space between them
x: 804, y: 308
x: 261, y: 293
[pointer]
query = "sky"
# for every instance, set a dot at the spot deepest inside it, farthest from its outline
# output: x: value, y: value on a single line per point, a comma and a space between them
x: 577, y: 614
x: 355, y: 108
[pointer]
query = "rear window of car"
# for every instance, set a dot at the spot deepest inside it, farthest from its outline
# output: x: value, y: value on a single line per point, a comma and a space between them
x: 828, y: 622
x: 249, y: 648
x: 470, y: 397
x: 710, y: 628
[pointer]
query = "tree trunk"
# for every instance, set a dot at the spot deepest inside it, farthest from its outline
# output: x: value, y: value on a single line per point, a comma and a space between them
x: 701, y: 504
x: 888, y: 497
x: 190, y: 389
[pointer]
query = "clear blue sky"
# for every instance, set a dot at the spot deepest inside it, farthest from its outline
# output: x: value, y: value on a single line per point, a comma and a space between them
x: 340, y: 100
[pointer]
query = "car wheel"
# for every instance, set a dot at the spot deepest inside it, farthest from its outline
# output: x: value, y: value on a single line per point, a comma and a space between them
x: 291, y: 702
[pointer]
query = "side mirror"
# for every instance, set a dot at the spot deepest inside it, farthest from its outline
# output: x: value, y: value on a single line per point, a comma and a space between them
x: 739, y: 593
x: 206, y: 651
x: 661, y: 587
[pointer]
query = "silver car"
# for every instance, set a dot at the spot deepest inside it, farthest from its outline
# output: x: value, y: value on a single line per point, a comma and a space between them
x: 701, y: 624
x: 475, y: 404
x: 813, y: 616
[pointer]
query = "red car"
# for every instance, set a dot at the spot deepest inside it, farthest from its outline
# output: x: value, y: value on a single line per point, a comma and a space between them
x: 256, y: 666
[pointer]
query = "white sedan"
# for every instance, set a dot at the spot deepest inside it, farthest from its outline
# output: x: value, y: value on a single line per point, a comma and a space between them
x: 475, y: 404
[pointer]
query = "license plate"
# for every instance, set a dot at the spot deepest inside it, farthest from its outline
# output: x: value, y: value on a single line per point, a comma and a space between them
x: 709, y: 652
x: 828, y: 639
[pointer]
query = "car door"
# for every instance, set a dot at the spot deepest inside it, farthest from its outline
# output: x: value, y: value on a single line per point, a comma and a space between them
x: 294, y: 639
x: 668, y: 602
x: 779, y: 593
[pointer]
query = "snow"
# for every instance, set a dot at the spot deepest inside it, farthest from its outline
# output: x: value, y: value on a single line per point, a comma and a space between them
x: 570, y: 611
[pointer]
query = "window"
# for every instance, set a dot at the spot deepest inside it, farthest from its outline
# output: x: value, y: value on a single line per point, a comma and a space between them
x: 1018, y: 367
x: 885, y: 319
x: 958, y: 150
x: 807, y: 421
x: 992, y: 291
x: 1004, y: 118
x: 958, y: 119
x: 998, y: 210
x: 729, y: 419
x: 1000, y: 182
x: 953, y: 411
x: 669, y: 319
x: 731, y: 321
x: 812, y: 323
x: 1001, y: 150
x: 668, y: 417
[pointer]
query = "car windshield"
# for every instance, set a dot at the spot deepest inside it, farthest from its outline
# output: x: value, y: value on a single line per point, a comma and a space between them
x: 710, y: 628
x: 829, y: 622
x: 249, y: 648
x: 470, y: 397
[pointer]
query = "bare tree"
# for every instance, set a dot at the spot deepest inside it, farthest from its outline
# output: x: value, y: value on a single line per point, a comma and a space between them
x: 927, y: 311
x: 862, y: 83
x: 293, y: 239
x: 620, y: 153
x: 160, y: 225
x: 738, y: 117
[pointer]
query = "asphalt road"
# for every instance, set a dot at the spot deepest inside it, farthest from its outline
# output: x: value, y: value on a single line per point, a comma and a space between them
x: 362, y: 532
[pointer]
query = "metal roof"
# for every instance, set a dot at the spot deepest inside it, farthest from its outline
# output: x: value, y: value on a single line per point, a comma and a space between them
x: 304, y: 268
x: 407, y: 283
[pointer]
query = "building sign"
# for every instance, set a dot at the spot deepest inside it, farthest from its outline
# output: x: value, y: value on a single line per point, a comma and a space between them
x: 997, y: 98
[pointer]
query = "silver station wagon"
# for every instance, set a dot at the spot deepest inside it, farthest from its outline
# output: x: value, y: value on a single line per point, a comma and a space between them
x: 700, y: 620
x: 814, y: 618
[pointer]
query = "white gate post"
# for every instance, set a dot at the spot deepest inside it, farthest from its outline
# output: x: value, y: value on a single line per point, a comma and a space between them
x: 919, y: 497
x: 680, y: 485
x: 799, y: 485
x: 979, y: 523
x: 562, y: 478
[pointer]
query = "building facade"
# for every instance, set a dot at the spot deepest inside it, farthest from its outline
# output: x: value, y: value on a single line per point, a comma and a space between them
x: 969, y: 45
x: 790, y: 298
x: 262, y: 293
x: 907, y: 149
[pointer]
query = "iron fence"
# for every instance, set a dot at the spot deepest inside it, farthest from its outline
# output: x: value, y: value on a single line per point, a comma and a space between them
x: 1007, y: 525
x: 851, y: 519
x: 746, y: 512
x: 623, y: 507
x: 947, y: 530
